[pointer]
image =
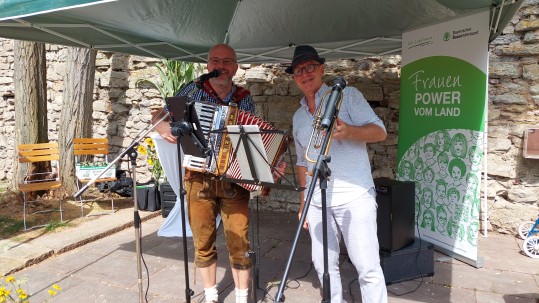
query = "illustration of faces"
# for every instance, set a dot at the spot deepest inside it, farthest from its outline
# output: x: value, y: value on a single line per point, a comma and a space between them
x: 441, y: 185
x: 418, y: 192
x: 406, y: 170
x: 472, y: 201
x: 428, y: 175
x: 428, y: 220
x: 442, y: 141
x: 453, y: 196
x: 457, y: 169
x: 473, y: 183
x: 428, y: 199
x: 441, y: 219
x: 471, y: 233
x: 428, y: 150
x: 443, y: 161
x: 476, y: 155
x: 418, y: 167
x: 459, y: 146
x: 453, y: 228
x: 461, y: 231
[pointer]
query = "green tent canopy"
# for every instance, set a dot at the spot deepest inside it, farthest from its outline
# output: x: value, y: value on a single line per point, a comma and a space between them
x: 261, y: 31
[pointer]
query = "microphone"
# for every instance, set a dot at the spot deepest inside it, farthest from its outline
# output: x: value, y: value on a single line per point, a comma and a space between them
x: 331, y: 105
x: 208, y: 76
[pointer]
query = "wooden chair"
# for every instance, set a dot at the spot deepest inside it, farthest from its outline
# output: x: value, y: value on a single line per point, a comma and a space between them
x: 92, y: 150
x: 44, y: 155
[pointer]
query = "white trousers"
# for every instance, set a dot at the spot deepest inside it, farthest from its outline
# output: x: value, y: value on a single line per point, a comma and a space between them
x: 356, y: 222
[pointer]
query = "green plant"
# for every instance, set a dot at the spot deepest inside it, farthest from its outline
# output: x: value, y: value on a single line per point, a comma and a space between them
x: 9, y: 226
x: 174, y: 74
x: 11, y: 290
x: 55, y: 225
x: 148, y: 149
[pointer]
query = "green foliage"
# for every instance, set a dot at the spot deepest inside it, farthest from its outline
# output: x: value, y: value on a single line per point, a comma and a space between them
x: 9, y: 226
x: 54, y: 225
x: 174, y: 74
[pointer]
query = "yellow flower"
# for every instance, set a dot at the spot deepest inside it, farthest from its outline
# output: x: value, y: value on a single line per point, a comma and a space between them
x: 22, y: 294
x: 56, y: 286
x: 149, y: 141
x: 52, y: 292
x: 151, y: 158
x: 10, y: 279
x: 142, y: 150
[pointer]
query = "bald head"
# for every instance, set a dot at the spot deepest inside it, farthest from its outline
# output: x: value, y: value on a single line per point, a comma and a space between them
x: 222, y: 49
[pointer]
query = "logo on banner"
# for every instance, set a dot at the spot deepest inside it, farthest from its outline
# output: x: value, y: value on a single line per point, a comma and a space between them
x: 463, y: 33
x: 447, y: 36
x: 421, y: 42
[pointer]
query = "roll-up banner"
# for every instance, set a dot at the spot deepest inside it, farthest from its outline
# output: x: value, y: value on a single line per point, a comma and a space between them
x: 442, y: 137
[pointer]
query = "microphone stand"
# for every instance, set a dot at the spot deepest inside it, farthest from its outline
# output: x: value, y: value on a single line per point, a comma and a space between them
x: 180, y: 129
x: 131, y: 151
x: 322, y: 172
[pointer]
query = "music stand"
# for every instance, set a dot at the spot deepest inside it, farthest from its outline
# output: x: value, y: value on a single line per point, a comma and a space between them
x: 255, y: 169
x: 185, y: 122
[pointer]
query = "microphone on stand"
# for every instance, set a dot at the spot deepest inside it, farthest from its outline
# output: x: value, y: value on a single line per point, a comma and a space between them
x: 208, y: 76
x: 205, y: 77
x: 331, y: 105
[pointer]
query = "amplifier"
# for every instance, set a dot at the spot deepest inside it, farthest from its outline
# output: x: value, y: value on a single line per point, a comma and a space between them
x: 395, y: 218
x: 411, y: 262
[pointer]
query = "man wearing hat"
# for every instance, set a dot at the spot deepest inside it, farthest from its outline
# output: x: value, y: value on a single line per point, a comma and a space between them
x: 350, y: 195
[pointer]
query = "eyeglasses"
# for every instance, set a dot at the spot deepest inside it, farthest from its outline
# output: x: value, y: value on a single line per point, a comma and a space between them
x: 225, y: 61
x: 308, y: 68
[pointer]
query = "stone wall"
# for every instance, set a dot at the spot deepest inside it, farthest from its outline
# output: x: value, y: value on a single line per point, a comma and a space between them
x: 121, y: 109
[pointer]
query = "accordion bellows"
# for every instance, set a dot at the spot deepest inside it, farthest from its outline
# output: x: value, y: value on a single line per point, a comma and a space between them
x: 214, y: 119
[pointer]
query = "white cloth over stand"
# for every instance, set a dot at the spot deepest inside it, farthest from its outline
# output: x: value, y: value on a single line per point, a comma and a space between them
x: 168, y: 156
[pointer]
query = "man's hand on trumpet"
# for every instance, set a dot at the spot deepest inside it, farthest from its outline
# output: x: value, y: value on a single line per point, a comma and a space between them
x: 367, y: 133
x: 340, y: 130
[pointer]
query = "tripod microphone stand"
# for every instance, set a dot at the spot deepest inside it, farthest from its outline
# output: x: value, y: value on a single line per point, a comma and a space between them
x: 321, y: 172
x: 179, y: 129
x: 131, y: 151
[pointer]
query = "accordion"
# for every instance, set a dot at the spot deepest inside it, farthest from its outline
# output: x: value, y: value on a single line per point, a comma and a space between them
x: 220, y: 161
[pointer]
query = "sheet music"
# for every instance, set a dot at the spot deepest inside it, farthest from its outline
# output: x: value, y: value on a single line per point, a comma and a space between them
x: 257, y: 151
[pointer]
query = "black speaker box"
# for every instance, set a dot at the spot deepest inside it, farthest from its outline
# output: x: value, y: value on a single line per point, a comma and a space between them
x: 411, y: 262
x: 168, y: 198
x: 395, y: 218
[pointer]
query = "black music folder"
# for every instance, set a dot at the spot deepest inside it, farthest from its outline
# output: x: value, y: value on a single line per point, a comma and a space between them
x: 182, y: 110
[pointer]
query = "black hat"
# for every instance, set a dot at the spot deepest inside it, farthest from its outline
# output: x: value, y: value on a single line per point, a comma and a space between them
x: 301, y: 54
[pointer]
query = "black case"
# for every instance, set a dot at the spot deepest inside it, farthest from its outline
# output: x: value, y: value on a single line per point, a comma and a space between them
x: 148, y: 198
x: 411, y: 262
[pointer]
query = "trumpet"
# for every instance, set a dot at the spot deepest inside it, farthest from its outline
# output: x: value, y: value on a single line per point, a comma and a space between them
x: 322, y: 122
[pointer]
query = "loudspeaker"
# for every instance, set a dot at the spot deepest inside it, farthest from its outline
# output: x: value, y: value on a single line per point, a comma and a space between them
x: 396, y: 212
x: 168, y: 198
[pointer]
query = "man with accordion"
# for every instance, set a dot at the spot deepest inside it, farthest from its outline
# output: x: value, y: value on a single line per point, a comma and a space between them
x: 208, y: 196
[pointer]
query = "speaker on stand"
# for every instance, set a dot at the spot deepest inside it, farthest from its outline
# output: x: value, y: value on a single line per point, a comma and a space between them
x: 396, y: 212
x: 402, y: 256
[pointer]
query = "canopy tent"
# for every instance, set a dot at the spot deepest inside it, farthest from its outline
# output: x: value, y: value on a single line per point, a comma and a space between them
x: 261, y: 31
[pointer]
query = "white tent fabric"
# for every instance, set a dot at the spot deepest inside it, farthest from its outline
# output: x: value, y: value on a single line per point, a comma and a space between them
x: 261, y: 31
